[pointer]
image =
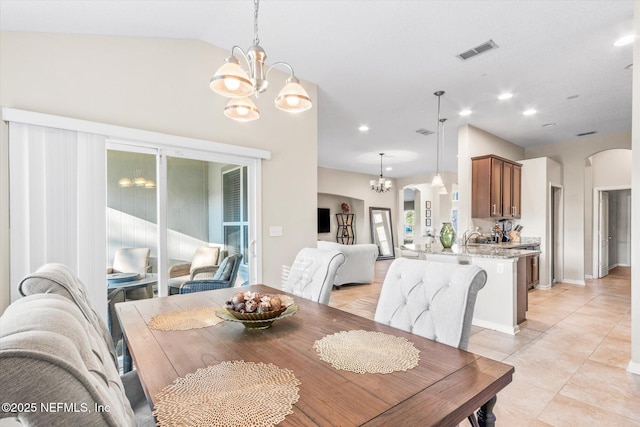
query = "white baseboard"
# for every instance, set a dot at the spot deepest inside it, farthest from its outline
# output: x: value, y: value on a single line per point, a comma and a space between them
x: 543, y: 286
x: 633, y: 367
x: 496, y: 326
x: 574, y: 282
x: 624, y: 265
x: 588, y: 276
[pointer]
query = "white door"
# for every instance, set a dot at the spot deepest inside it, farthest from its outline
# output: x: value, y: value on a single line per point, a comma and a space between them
x: 603, y: 233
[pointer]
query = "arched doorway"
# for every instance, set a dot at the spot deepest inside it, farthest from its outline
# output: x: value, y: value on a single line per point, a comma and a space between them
x: 607, y: 211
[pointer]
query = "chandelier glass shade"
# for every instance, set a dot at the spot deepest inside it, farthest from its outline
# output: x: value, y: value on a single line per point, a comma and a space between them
x: 437, y: 179
x: 232, y: 81
x: 241, y: 109
x: 380, y: 185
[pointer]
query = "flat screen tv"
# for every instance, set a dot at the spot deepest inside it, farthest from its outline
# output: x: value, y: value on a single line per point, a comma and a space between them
x: 324, y: 220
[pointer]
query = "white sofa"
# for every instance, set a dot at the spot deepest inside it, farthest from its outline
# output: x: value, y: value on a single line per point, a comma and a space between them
x: 359, y: 264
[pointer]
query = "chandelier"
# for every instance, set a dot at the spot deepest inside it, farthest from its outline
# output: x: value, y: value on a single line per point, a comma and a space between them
x: 437, y: 179
x: 380, y: 185
x: 234, y: 82
x: 137, y: 181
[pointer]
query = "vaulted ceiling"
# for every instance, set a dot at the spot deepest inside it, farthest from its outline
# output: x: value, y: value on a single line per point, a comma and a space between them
x: 379, y: 62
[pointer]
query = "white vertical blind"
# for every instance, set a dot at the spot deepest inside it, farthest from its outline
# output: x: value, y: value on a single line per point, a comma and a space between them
x: 58, y: 204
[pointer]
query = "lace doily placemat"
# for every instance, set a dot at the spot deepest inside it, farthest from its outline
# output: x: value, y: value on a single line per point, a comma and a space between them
x: 234, y: 393
x: 182, y: 320
x: 367, y: 352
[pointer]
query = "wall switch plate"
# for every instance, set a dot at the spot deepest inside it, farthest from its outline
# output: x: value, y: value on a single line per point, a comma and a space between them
x: 500, y: 268
x: 275, y: 231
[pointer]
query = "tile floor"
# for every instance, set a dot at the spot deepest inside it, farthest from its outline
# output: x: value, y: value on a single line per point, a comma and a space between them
x: 570, y: 356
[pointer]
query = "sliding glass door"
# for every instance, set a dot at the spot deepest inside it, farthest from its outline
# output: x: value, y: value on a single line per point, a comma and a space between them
x: 132, y: 213
x: 176, y: 204
x: 207, y: 206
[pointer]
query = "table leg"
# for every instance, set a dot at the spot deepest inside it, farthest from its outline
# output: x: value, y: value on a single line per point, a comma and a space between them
x: 126, y: 356
x: 486, y: 417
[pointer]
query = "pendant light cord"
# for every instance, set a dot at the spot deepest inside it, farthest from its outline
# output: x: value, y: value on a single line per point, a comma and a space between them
x: 438, y: 139
x: 256, y: 39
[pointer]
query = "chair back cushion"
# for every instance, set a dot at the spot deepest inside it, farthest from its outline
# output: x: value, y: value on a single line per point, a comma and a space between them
x: 59, y: 279
x: 313, y: 273
x: 225, y: 271
x: 205, y: 256
x: 50, y: 353
x: 431, y: 299
x: 131, y: 260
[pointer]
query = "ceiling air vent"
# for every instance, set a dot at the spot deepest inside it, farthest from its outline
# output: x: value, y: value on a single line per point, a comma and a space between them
x: 424, y: 132
x: 591, y: 132
x: 484, y: 47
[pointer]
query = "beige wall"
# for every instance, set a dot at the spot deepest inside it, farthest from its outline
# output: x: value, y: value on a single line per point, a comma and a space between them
x: 634, y: 364
x: 537, y: 177
x: 356, y: 186
x: 161, y: 85
x: 573, y: 155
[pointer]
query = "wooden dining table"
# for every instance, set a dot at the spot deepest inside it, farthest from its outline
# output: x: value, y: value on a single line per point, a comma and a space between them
x: 445, y: 387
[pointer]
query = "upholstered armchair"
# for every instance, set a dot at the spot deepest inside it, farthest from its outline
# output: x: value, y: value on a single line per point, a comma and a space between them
x: 224, y: 277
x: 204, y: 263
x: 133, y: 260
x: 432, y: 299
x: 57, y: 348
x: 312, y: 274
x: 130, y: 260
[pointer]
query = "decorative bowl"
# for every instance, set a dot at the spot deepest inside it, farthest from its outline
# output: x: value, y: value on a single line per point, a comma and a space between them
x: 258, y: 316
x: 231, y: 316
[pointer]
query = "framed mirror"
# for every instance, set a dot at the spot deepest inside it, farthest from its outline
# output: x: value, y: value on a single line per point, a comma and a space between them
x: 382, y: 232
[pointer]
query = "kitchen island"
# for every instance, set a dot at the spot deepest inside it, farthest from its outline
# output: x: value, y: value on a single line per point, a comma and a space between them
x: 502, y: 303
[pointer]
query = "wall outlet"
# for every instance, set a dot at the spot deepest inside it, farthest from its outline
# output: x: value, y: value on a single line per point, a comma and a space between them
x: 275, y: 231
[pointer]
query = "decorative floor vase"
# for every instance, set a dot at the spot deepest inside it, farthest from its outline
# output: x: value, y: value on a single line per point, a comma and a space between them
x: 447, y: 235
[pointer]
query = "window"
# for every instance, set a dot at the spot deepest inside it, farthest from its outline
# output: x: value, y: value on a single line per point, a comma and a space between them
x: 235, y: 222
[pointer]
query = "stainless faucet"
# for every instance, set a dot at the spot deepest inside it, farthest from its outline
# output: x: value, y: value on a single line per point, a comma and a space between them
x: 466, y: 238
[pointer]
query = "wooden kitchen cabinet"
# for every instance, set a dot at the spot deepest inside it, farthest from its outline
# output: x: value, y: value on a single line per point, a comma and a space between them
x: 495, y: 187
x: 533, y: 271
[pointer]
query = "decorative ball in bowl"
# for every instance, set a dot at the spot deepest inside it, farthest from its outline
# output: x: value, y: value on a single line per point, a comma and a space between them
x: 254, y: 306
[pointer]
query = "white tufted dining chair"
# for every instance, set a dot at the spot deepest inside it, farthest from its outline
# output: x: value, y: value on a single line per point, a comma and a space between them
x: 431, y: 299
x: 313, y: 273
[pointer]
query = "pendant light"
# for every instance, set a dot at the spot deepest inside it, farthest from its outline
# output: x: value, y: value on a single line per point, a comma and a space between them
x: 232, y: 81
x: 443, y: 189
x: 381, y: 185
x: 437, y: 179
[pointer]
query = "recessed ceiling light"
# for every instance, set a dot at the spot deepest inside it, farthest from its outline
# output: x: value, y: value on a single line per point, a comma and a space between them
x: 529, y: 112
x: 465, y: 112
x: 388, y: 168
x: 623, y: 41
x: 504, y: 96
x: 548, y: 125
x: 363, y: 128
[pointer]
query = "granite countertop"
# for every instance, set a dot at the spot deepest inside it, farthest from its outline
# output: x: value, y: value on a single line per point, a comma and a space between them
x: 481, y: 251
x: 506, y: 245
